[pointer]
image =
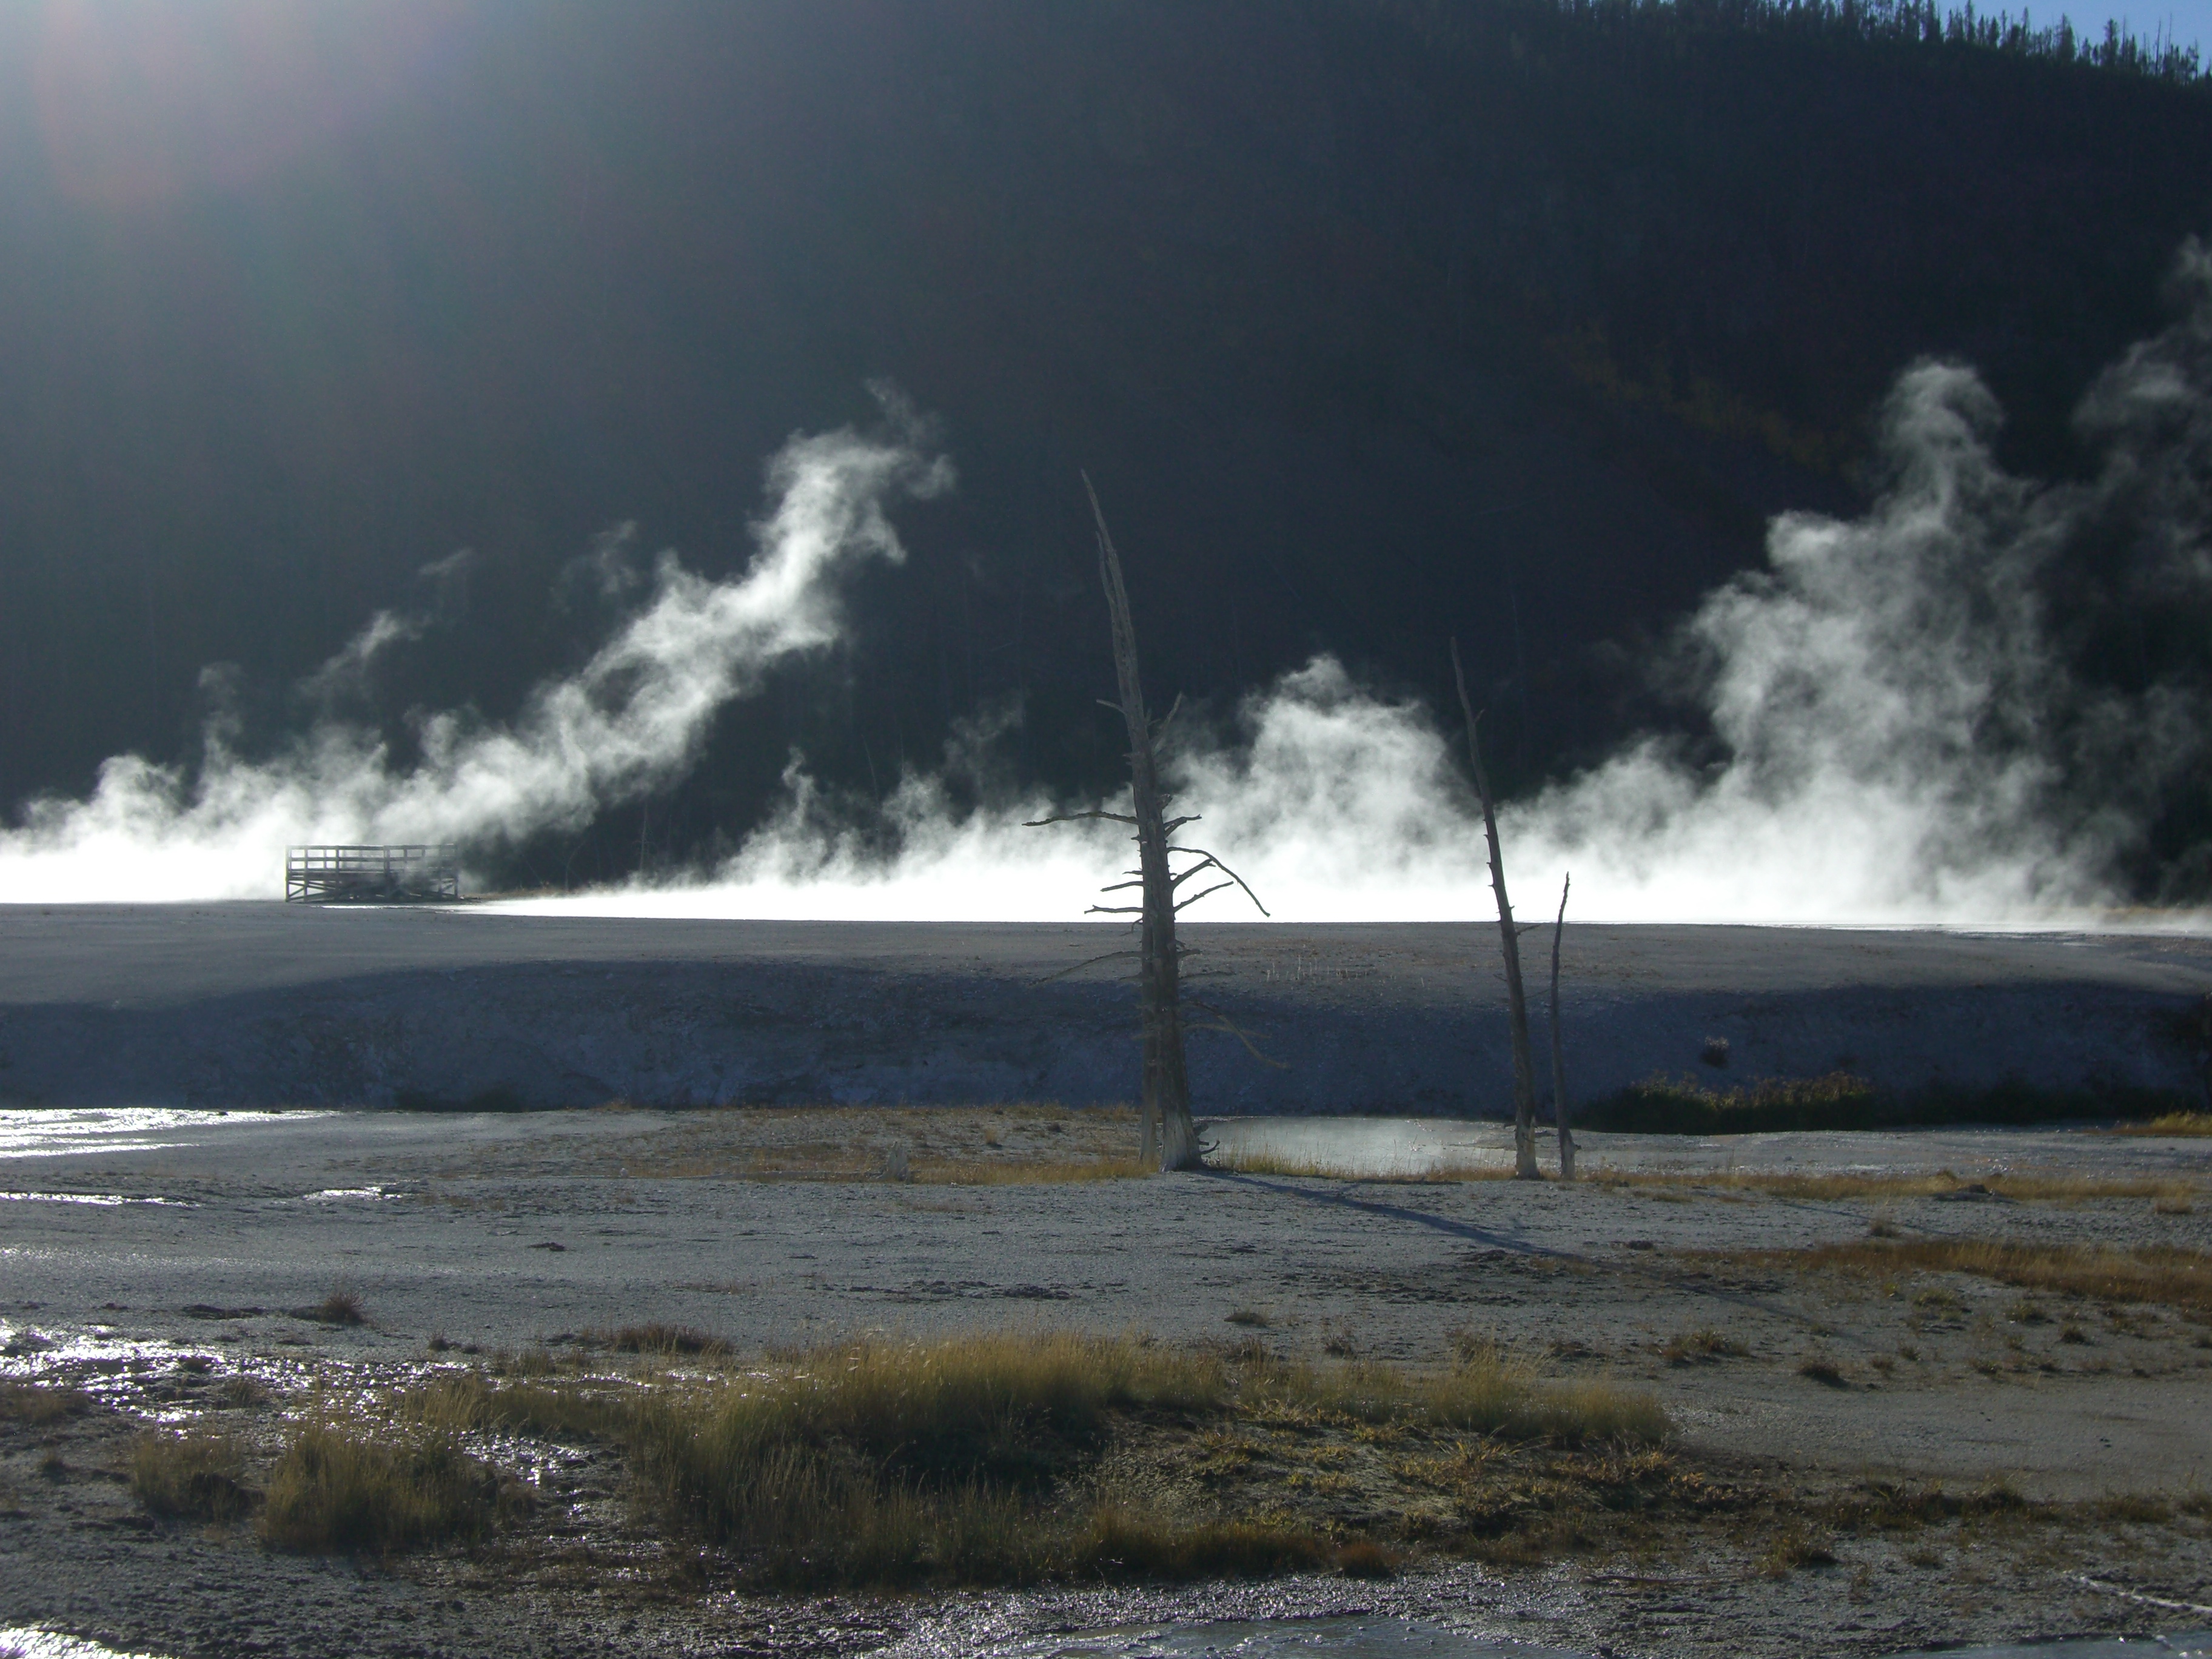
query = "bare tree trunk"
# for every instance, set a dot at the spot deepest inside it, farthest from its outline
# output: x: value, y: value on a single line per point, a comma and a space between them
x: 1166, y: 1101
x: 1517, y: 1003
x: 1558, y: 1048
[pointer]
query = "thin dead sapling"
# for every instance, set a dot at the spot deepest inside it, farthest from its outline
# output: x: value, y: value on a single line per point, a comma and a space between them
x: 1516, y: 1004
x: 1559, y: 1049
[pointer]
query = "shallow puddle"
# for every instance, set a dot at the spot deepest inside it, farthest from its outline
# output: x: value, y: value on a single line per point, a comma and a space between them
x: 99, y: 1201
x: 45, y: 1644
x: 1381, y: 1148
x: 49, y: 1131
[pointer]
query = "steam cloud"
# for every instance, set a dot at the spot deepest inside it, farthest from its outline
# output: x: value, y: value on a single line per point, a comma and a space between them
x: 1896, y: 730
x: 628, y: 722
x: 1896, y: 734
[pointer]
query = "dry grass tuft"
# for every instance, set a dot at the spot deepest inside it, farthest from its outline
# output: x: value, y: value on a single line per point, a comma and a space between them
x: 196, y: 1474
x: 660, y: 1339
x: 1687, y: 1347
x: 1125, y: 1545
x: 2134, y: 1507
x: 971, y: 1460
x: 1001, y: 1458
x: 1487, y: 1392
x: 2162, y: 1273
x: 1792, y: 1547
x: 38, y: 1404
x: 1822, y: 1369
x: 887, y: 1462
x: 2171, y: 1123
x: 1364, y: 1558
x: 343, y: 1486
x: 342, y: 1306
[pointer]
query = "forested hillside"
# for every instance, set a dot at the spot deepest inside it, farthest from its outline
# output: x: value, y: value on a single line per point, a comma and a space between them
x: 1375, y: 320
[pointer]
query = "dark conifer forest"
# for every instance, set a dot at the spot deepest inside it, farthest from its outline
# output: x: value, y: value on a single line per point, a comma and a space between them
x: 1375, y: 320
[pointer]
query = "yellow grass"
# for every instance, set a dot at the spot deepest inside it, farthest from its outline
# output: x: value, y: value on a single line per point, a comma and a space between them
x: 1488, y: 1391
x: 39, y: 1404
x: 2178, y: 1278
x: 990, y: 1458
x: 2026, y: 1185
x: 346, y: 1486
x: 2172, y: 1123
x: 2171, y: 1196
x: 195, y: 1474
x: 973, y: 1459
x: 888, y: 1461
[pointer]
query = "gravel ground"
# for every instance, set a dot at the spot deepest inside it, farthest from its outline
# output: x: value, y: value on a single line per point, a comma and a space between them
x: 499, y: 1231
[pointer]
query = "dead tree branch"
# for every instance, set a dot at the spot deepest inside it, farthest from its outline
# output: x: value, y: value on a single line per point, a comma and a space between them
x: 1223, y: 1023
x: 1214, y: 860
x: 1090, y: 962
x: 1077, y: 818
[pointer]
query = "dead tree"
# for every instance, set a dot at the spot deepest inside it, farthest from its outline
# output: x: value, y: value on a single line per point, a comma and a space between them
x: 1169, y: 1130
x: 1559, y: 1050
x: 1516, y: 1004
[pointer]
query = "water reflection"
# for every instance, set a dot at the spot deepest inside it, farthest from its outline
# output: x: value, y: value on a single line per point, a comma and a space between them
x: 97, y: 1200
x: 49, y: 1132
x: 25, y: 1643
x: 1379, y: 1148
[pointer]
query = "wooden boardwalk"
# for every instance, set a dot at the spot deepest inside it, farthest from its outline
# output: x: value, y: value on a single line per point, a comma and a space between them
x: 372, y: 875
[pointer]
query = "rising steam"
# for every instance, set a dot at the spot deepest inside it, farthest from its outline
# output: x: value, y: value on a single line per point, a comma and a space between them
x: 1895, y: 727
x: 630, y: 721
x: 1895, y: 732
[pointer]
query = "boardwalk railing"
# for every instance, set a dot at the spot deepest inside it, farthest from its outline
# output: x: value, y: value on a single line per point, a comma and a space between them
x: 373, y: 875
